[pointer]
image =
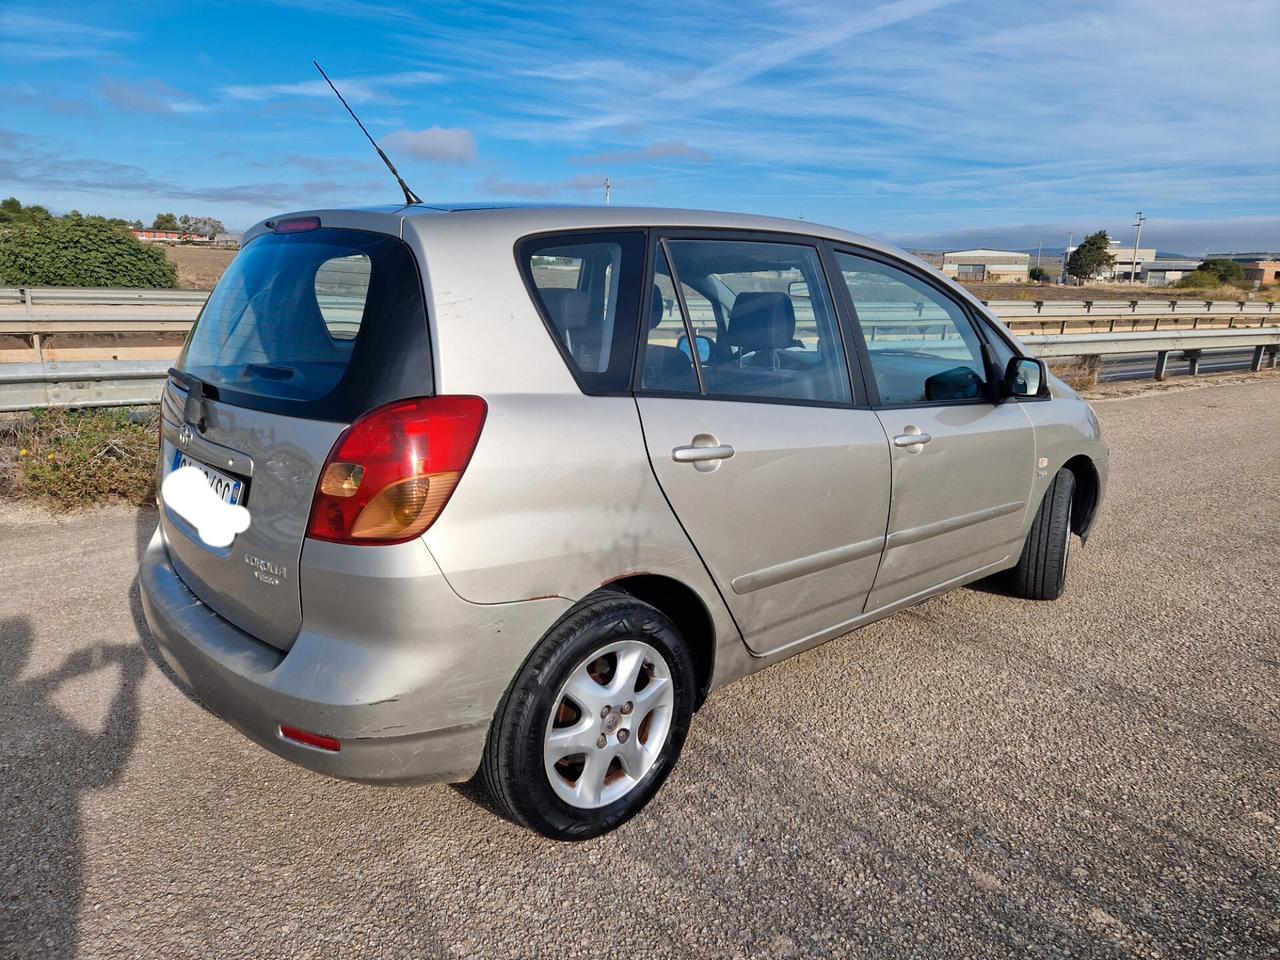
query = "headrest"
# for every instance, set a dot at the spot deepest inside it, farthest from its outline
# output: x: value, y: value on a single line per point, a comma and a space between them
x: 569, y: 308
x: 656, y: 307
x: 762, y: 321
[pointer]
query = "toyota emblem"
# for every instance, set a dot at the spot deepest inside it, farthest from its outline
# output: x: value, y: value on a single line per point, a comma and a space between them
x: 184, y: 436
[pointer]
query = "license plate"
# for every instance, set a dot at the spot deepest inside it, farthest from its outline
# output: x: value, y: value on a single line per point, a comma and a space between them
x: 228, y: 489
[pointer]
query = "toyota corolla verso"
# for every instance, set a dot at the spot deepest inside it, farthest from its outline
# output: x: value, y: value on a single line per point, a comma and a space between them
x: 525, y: 484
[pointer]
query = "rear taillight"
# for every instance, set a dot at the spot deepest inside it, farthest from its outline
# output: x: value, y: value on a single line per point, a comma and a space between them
x: 393, y: 470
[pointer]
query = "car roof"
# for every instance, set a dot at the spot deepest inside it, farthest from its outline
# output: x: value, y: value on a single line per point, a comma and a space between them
x: 533, y: 217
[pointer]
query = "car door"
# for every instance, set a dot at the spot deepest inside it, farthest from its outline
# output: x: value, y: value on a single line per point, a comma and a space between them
x: 963, y: 465
x: 780, y: 480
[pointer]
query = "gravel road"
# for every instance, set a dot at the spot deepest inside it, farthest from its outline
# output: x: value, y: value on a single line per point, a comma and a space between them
x: 978, y: 776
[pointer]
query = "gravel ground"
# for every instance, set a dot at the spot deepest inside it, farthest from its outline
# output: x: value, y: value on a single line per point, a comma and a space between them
x: 978, y: 776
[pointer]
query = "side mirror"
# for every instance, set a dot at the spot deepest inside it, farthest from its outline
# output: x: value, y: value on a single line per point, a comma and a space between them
x: 1026, y: 377
x: 798, y: 290
x: 704, y: 347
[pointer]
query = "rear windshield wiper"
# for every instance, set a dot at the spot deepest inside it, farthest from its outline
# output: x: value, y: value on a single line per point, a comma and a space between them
x: 197, y: 392
x: 272, y: 371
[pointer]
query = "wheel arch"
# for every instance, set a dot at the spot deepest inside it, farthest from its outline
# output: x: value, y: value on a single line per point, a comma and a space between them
x: 1084, y: 505
x: 686, y: 610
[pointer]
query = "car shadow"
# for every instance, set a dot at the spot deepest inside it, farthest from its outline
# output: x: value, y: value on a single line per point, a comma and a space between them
x: 49, y: 763
x: 144, y: 528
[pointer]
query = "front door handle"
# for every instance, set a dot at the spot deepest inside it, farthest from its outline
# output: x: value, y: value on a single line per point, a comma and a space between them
x: 911, y: 439
x: 701, y: 454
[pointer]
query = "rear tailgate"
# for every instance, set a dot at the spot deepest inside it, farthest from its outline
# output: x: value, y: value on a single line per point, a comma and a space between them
x: 307, y: 331
x: 254, y: 582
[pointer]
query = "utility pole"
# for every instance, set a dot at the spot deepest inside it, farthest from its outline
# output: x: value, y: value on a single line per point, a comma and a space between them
x: 608, y: 189
x: 1137, y: 238
x: 1066, y: 255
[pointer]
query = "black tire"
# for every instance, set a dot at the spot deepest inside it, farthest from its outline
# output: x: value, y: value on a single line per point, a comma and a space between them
x: 1041, y: 572
x: 513, y: 768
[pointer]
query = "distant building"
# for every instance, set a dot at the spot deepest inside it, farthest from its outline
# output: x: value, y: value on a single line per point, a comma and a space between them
x: 1165, y: 273
x: 1261, y: 271
x: 151, y: 235
x: 1122, y: 267
x: 1126, y: 266
x: 229, y: 240
x: 995, y: 266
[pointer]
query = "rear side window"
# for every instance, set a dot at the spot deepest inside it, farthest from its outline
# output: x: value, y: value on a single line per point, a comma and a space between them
x: 587, y: 288
x: 324, y: 324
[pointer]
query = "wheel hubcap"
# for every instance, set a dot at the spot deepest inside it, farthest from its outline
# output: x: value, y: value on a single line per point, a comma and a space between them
x: 608, y: 724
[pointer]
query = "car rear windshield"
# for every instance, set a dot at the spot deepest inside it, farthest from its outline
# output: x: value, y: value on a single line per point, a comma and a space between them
x: 324, y: 324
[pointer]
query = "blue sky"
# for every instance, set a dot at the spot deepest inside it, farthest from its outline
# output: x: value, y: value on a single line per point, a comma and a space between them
x: 930, y: 122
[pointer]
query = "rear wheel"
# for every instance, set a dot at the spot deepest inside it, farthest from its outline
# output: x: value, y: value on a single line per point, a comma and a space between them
x: 594, y: 722
x: 1041, y: 572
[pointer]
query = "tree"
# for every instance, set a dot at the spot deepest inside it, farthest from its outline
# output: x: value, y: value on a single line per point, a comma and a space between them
x: 1091, y: 257
x: 1227, y: 271
x: 164, y: 221
x: 1038, y: 274
x: 207, y: 227
x: 80, y: 252
x: 1200, y: 280
x: 12, y: 211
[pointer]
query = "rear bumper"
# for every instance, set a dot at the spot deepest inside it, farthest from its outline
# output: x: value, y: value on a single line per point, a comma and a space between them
x: 389, y: 661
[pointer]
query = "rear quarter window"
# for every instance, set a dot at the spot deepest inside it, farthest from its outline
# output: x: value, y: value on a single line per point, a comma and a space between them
x: 586, y: 286
x: 325, y: 324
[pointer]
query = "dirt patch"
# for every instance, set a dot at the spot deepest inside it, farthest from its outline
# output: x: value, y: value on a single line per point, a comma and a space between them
x: 1127, y: 389
x: 199, y: 268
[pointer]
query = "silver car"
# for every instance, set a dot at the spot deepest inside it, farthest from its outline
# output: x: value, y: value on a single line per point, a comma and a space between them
x: 526, y: 484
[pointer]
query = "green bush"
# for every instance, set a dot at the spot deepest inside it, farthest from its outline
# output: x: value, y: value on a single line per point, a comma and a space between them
x: 76, y: 251
x: 1200, y: 279
x: 71, y: 458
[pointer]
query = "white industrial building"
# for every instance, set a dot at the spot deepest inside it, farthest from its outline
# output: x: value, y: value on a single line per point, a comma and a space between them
x: 996, y: 266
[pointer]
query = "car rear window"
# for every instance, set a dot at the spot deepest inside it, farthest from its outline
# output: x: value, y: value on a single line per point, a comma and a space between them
x: 323, y: 324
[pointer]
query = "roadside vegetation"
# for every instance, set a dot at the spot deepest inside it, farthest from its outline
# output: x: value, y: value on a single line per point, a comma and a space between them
x: 73, y: 458
x: 39, y: 249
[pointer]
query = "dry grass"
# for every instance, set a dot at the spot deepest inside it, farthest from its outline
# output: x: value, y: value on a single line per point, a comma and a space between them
x: 72, y: 458
x: 199, y: 268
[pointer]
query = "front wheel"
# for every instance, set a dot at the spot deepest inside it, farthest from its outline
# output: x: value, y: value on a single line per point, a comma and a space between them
x: 1041, y: 572
x: 594, y: 721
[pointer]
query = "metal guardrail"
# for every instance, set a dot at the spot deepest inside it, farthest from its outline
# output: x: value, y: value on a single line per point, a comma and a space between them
x: 106, y: 383
x: 59, y: 311
x: 138, y: 382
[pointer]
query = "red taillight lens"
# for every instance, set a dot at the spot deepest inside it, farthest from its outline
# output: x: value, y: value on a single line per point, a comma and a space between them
x: 298, y: 225
x: 389, y: 476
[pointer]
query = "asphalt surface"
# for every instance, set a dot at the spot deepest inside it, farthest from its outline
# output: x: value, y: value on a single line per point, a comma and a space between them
x: 979, y: 776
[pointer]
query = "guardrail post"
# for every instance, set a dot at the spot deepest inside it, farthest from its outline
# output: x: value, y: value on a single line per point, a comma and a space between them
x: 1193, y: 361
x: 38, y: 347
x: 1272, y: 354
x: 1162, y: 361
x: 1258, y: 351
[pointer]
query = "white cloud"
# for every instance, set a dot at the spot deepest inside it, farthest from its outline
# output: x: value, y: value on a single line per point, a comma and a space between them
x: 437, y: 144
x: 355, y: 89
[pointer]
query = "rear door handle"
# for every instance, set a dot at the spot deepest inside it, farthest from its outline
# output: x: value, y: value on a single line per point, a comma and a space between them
x: 911, y: 439
x: 701, y: 454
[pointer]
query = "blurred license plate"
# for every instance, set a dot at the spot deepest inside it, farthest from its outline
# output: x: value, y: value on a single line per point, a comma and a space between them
x: 228, y: 489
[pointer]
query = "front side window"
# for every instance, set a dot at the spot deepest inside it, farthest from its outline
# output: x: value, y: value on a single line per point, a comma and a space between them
x: 922, y: 346
x: 588, y: 290
x: 762, y: 318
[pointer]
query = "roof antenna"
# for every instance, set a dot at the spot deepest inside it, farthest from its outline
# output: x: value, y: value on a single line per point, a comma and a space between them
x: 409, y: 196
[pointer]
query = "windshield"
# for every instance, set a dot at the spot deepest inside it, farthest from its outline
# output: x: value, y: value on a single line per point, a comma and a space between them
x: 325, y: 324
